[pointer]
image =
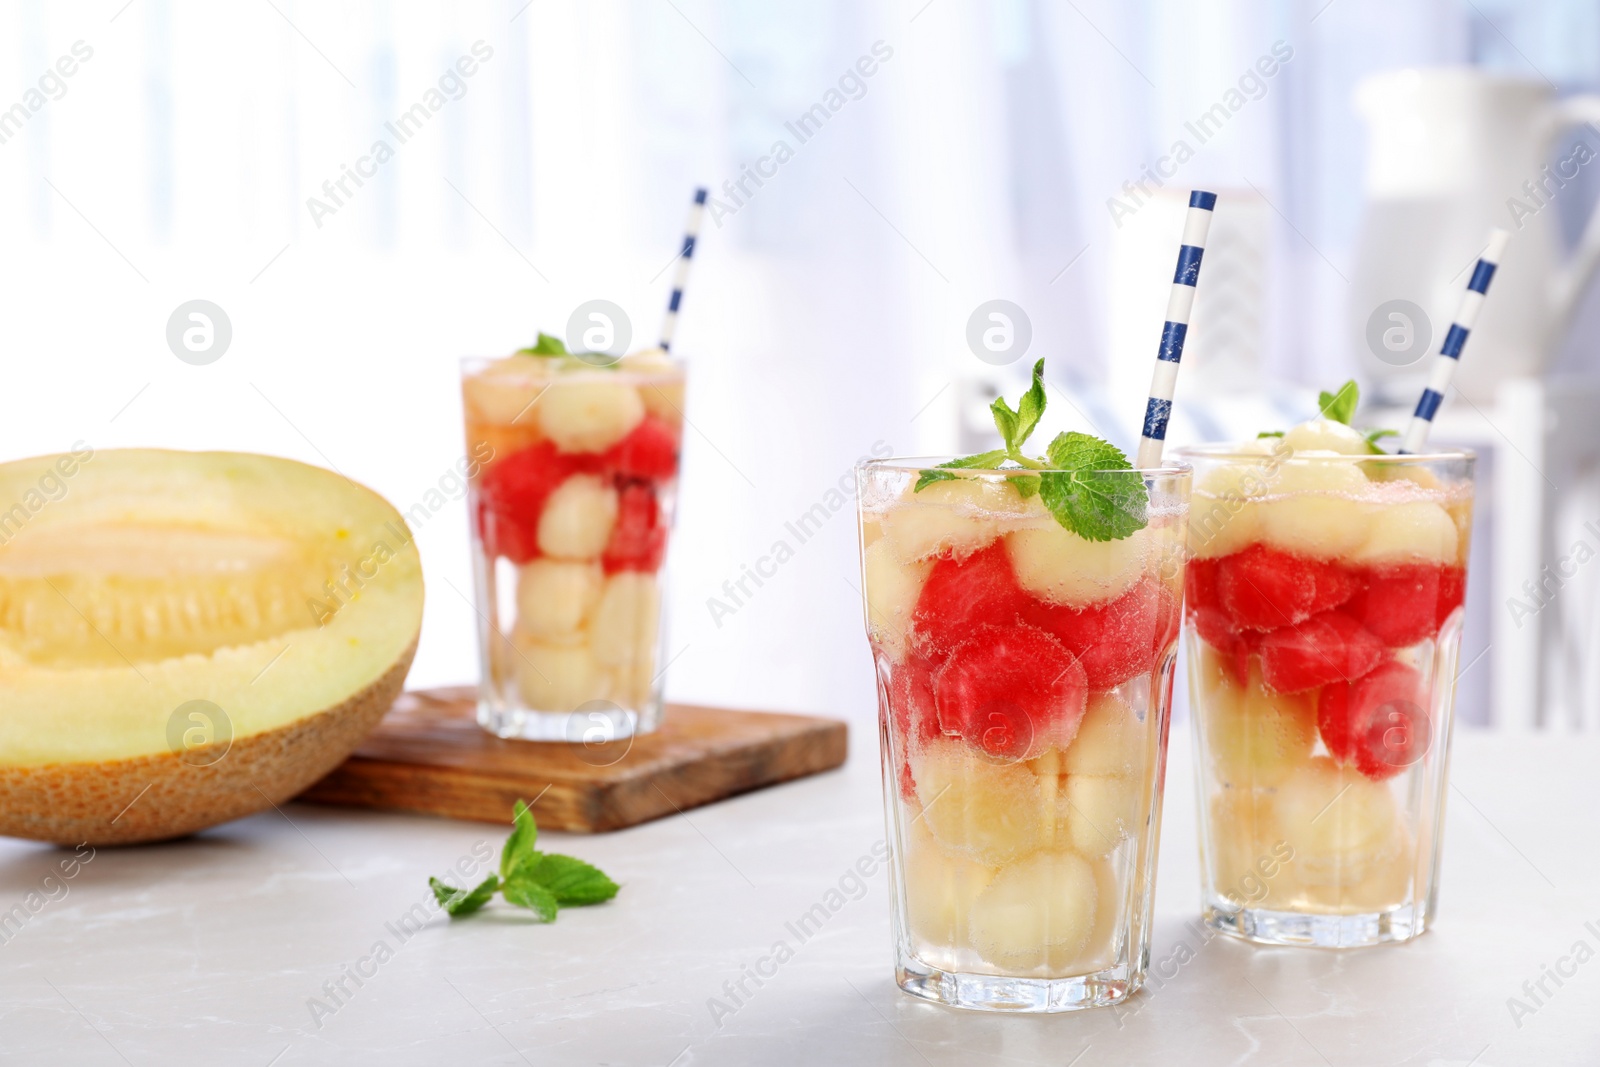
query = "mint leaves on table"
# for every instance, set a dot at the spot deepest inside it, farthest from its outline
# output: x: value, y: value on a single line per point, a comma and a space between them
x: 1341, y: 407
x: 546, y: 345
x: 542, y: 882
x: 1086, y: 483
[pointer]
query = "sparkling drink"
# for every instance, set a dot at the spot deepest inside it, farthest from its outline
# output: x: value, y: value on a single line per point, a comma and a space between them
x: 1024, y: 677
x: 571, y: 510
x: 1323, y: 598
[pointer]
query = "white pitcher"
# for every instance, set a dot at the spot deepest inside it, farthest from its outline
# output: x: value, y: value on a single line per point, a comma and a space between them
x: 1450, y: 153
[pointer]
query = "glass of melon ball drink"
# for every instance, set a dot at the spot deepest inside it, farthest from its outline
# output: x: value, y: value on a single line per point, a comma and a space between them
x: 1324, y: 599
x: 571, y: 505
x: 1024, y: 675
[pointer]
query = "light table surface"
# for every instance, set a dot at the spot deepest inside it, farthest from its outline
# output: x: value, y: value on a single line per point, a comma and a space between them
x: 217, y: 949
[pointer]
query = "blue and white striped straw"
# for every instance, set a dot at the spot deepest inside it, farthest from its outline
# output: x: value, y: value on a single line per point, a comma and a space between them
x: 1165, y: 379
x: 690, y: 235
x: 1444, y: 364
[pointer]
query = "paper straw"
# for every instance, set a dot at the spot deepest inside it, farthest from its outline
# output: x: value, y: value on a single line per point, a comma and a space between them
x: 1444, y: 364
x: 1165, y: 379
x: 691, y: 232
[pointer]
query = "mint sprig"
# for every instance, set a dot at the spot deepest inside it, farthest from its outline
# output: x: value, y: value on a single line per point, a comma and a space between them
x: 1086, y: 483
x: 545, y: 345
x: 1340, y: 407
x: 542, y: 882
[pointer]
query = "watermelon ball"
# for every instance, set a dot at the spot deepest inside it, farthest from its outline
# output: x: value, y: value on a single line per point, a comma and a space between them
x: 1380, y: 723
x: 909, y: 711
x: 962, y: 595
x: 649, y: 452
x: 1200, y: 585
x: 1330, y: 647
x: 1011, y: 691
x: 1403, y: 603
x: 512, y: 498
x: 639, y: 538
x: 1262, y: 588
x: 1116, y: 640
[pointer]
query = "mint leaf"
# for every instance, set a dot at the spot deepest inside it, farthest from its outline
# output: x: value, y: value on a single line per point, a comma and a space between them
x: 1031, y: 406
x: 546, y: 345
x: 571, y: 881
x: 1340, y: 406
x: 524, y: 891
x: 464, y: 901
x: 1027, y: 484
x: 519, y: 846
x: 1374, y: 436
x: 1269, y: 433
x: 982, y: 461
x: 1005, y: 420
x: 1094, y: 491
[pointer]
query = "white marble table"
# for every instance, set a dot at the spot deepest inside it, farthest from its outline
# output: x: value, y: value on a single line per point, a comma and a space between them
x: 209, y: 951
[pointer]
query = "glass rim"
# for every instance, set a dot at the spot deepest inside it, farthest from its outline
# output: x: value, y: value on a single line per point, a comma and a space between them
x: 917, y: 464
x: 677, y: 367
x: 1231, y: 450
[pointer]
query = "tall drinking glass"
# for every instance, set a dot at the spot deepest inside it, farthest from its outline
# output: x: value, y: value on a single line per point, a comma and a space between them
x: 1324, y: 606
x: 574, y: 479
x: 1024, y: 679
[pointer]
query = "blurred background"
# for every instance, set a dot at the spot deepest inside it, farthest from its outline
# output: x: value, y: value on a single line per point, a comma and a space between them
x: 880, y: 172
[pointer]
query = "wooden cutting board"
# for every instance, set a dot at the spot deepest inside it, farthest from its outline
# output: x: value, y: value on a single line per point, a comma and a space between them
x: 429, y: 755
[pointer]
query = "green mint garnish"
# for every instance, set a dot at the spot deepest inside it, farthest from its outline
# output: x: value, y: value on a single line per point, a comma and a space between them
x: 1086, y: 483
x: 1341, y: 407
x: 542, y: 882
x: 546, y: 345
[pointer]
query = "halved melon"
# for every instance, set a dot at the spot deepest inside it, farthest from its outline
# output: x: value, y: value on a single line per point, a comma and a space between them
x: 189, y: 637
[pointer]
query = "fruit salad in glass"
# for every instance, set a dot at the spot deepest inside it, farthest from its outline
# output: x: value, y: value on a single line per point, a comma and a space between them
x: 571, y: 511
x: 1023, y: 615
x: 1324, y: 599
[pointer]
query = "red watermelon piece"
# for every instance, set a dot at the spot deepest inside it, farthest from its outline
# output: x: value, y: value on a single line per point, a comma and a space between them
x: 1330, y: 647
x: 1380, y: 722
x: 1115, y: 640
x: 961, y: 596
x: 1262, y: 588
x: 1011, y: 691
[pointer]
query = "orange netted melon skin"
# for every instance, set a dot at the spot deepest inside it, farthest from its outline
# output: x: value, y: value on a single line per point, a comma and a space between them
x: 155, y: 798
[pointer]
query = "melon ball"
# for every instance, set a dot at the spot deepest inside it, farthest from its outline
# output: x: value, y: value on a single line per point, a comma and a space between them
x: 1317, y: 515
x: 1326, y: 435
x: 1108, y: 931
x: 589, y: 415
x: 577, y: 518
x: 1222, y: 511
x: 892, y: 589
x: 956, y: 517
x: 555, y: 598
x: 992, y: 812
x: 1416, y: 530
x: 557, y: 677
x: 1340, y: 823
x: 662, y: 389
x: 1038, y: 907
x: 505, y: 391
x: 1253, y: 738
x: 1058, y: 566
x: 940, y: 890
x: 1247, y: 861
x: 1097, y: 812
x: 1111, y: 740
x: 627, y: 621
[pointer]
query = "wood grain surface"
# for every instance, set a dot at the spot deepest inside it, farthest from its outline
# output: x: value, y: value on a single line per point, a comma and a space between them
x: 429, y: 755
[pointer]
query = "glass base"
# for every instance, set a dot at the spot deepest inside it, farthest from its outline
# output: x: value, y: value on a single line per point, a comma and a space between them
x: 592, y: 727
x: 988, y: 992
x: 1265, y: 927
